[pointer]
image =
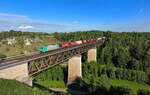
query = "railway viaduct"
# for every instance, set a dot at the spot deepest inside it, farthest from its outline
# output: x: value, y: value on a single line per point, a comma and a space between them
x: 22, y: 68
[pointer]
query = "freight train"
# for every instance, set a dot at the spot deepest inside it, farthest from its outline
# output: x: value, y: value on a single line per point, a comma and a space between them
x: 61, y: 45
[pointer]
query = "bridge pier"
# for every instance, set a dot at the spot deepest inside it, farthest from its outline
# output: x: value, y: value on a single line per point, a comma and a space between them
x: 92, y: 54
x: 74, y: 70
x: 18, y: 72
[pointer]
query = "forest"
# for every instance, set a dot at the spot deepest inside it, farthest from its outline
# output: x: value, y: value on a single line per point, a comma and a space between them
x: 128, y: 50
x: 122, y: 67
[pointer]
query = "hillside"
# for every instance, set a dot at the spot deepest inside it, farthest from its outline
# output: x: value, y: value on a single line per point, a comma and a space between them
x: 15, y: 43
x: 13, y: 87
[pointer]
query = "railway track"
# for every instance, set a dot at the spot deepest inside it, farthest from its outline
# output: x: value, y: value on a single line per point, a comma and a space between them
x: 28, y: 58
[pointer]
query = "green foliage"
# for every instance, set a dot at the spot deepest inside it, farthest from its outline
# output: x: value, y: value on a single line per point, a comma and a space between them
x: 13, y: 87
x: 12, y: 33
x: 93, y: 69
x: 120, y: 91
x: 90, y: 70
x: 149, y: 79
x: 143, y: 92
x: 2, y: 56
x: 84, y: 57
x: 104, y: 81
x: 52, y: 84
x: 79, y: 35
x: 124, y: 50
x: 134, y: 86
x: 53, y: 74
x: 113, y: 90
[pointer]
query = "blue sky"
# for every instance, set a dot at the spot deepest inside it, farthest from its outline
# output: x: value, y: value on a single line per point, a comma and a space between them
x: 72, y: 15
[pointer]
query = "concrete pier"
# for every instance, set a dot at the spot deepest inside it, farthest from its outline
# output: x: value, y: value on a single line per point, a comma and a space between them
x: 92, y: 54
x: 74, y: 69
x: 18, y: 72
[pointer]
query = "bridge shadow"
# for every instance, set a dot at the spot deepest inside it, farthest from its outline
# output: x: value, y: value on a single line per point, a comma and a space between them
x: 45, y: 88
x: 80, y: 87
x: 75, y: 88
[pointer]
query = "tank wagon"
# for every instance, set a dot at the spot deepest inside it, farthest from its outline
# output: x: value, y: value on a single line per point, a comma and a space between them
x: 61, y: 45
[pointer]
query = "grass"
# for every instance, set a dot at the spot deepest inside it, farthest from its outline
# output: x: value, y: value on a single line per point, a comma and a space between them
x: 134, y: 86
x: 52, y: 84
x: 13, y: 87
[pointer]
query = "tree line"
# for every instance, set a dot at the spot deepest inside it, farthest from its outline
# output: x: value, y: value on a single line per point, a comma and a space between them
x: 13, y: 33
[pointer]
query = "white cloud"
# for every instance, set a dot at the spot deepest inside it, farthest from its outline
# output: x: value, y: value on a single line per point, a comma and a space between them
x: 25, y: 27
x: 11, y: 15
x: 24, y: 23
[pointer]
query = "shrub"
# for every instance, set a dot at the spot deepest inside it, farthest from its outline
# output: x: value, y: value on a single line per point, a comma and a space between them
x: 110, y: 71
x: 55, y: 73
x: 7, y: 49
x: 104, y: 81
x: 149, y: 79
x: 118, y: 73
x: 143, y: 92
x: 120, y: 91
x: 2, y: 56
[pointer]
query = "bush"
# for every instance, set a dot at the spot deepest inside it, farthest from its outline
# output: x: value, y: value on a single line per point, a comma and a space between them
x: 118, y: 73
x: 112, y: 91
x: 2, y: 56
x: 104, y: 82
x: 143, y: 92
x: 52, y: 74
x: 120, y: 91
x: 7, y: 49
x: 110, y: 71
x: 149, y: 79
